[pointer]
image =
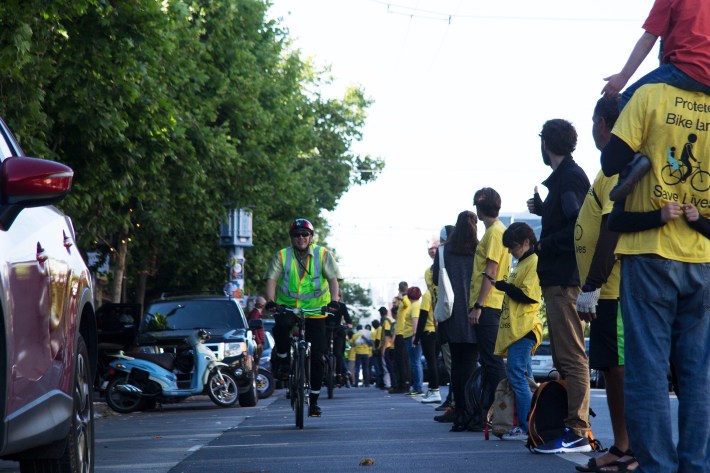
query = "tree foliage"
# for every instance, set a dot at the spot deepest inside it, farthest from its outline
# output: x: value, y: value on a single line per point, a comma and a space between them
x: 170, y: 112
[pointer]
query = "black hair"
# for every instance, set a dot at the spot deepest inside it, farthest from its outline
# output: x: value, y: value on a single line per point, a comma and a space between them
x: 376, y: 324
x: 517, y: 233
x: 487, y: 201
x: 464, y: 239
x: 383, y: 311
x: 559, y: 136
x: 608, y: 109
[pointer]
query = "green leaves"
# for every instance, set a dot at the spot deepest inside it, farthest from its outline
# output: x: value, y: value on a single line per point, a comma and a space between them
x: 169, y: 112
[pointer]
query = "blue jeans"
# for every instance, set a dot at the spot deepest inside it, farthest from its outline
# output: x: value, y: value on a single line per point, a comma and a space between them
x: 415, y: 361
x: 665, y: 305
x: 518, y: 361
x: 665, y: 73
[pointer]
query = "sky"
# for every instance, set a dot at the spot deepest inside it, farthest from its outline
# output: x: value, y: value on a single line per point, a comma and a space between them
x: 461, y: 89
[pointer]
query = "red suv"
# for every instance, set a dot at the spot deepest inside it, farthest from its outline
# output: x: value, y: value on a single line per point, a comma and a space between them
x: 48, y: 329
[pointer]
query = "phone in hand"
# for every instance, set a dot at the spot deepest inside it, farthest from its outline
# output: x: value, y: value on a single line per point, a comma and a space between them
x: 489, y: 277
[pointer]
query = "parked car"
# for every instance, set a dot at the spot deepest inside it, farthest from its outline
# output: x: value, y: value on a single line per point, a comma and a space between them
x: 223, y: 317
x: 541, y: 361
x: 542, y: 365
x: 48, y: 330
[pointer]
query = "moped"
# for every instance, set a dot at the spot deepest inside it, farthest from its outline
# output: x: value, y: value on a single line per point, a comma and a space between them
x: 138, y: 381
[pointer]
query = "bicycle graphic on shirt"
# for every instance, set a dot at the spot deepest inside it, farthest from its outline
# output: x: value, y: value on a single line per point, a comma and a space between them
x: 682, y: 170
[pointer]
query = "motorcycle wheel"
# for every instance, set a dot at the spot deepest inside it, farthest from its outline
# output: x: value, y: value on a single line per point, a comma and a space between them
x: 264, y: 383
x: 120, y: 402
x: 222, y: 391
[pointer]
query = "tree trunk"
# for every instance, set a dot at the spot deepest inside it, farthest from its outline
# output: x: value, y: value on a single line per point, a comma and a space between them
x: 120, y: 270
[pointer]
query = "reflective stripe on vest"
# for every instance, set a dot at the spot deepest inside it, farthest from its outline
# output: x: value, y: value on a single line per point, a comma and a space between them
x: 291, y: 285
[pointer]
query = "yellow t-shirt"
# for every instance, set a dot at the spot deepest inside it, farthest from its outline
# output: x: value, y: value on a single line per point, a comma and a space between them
x: 517, y: 319
x: 386, y: 327
x: 402, y: 309
x: 350, y: 355
x: 490, y: 248
x: 669, y: 125
x: 586, y: 233
x: 429, y: 280
x: 359, y: 348
x: 377, y: 336
x: 413, y: 312
x: 426, y: 305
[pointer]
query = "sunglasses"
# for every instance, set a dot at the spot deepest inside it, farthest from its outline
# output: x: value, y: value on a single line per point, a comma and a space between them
x: 302, y: 235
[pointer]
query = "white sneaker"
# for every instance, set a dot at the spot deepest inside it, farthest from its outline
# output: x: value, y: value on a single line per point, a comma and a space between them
x: 516, y: 433
x: 431, y: 396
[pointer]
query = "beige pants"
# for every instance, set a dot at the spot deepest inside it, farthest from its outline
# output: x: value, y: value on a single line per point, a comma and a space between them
x: 567, y: 341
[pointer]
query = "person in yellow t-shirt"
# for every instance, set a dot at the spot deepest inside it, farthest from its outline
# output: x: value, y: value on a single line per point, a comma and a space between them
x: 350, y: 356
x: 386, y: 348
x: 426, y: 336
x: 414, y: 352
x: 598, y: 303
x: 485, y: 301
x: 665, y: 302
x: 362, y: 341
x: 401, y: 358
x: 376, y: 354
x: 520, y: 329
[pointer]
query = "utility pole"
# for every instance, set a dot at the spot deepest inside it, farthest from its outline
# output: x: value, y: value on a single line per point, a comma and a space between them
x: 235, y: 235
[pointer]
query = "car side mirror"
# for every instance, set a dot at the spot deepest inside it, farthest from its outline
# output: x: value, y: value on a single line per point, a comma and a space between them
x: 30, y: 182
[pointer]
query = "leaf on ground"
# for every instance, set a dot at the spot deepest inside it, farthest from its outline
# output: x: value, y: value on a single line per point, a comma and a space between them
x: 367, y: 461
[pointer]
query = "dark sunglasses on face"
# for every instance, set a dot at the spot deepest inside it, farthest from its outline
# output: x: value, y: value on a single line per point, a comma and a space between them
x: 302, y: 235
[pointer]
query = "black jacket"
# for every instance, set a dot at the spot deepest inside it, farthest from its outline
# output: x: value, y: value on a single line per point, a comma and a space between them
x: 567, y: 186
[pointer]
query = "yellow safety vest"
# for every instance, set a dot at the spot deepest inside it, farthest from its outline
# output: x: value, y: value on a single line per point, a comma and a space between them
x: 308, y: 292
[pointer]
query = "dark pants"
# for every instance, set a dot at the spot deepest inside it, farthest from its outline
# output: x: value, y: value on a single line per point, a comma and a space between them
x: 463, y: 362
x: 493, y: 366
x: 391, y: 367
x: 401, y: 361
x: 376, y: 361
x: 429, y: 350
x: 338, y: 333
x: 315, y: 335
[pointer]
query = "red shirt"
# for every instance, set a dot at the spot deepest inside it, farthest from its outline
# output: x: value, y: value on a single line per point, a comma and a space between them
x: 684, y: 26
x: 259, y: 336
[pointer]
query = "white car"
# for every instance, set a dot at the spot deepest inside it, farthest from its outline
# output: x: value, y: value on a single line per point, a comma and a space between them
x: 542, y: 361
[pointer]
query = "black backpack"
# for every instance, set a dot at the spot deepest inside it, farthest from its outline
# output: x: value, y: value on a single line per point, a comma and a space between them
x: 476, y: 419
x: 547, y: 415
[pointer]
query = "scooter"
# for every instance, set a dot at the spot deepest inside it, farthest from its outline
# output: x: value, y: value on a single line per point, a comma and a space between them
x: 138, y: 381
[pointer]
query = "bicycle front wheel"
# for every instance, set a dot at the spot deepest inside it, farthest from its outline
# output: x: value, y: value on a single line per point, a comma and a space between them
x: 300, y: 388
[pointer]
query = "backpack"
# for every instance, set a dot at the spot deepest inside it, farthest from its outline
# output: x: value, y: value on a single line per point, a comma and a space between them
x: 503, y: 414
x: 473, y: 393
x: 547, y: 415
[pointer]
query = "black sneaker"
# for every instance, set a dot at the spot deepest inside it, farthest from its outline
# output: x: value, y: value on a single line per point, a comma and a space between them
x: 314, y: 410
x: 630, y: 176
x: 567, y: 442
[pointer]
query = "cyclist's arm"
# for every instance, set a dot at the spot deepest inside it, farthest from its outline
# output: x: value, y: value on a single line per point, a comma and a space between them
x: 334, y: 287
x: 270, y: 289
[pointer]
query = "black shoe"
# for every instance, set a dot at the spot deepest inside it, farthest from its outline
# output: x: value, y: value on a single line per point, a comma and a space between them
x: 448, y: 416
x: 630, y: 176
x: 397, y: 391
x: 314, y: 410
x: 444, y: 405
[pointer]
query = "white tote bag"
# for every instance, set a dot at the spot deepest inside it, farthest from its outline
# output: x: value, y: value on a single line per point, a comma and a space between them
x: 445, y: 293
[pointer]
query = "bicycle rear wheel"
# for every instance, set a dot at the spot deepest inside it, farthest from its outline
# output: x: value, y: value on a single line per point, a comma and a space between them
x: 330, y: 368
x: 300, y: 388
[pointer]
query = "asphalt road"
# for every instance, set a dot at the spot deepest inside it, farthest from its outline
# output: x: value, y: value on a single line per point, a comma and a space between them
x: 362, y: 429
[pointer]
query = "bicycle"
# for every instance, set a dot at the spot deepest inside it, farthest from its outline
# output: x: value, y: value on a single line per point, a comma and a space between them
x: 299, y: 376
x: 329, y: 371
x: 699, y: 179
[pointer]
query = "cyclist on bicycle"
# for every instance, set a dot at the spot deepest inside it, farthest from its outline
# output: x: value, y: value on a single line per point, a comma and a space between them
x: 302, y: 276
x: 336, y: 326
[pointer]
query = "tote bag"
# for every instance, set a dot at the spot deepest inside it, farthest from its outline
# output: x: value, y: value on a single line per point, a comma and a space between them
x: 445, y: 295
